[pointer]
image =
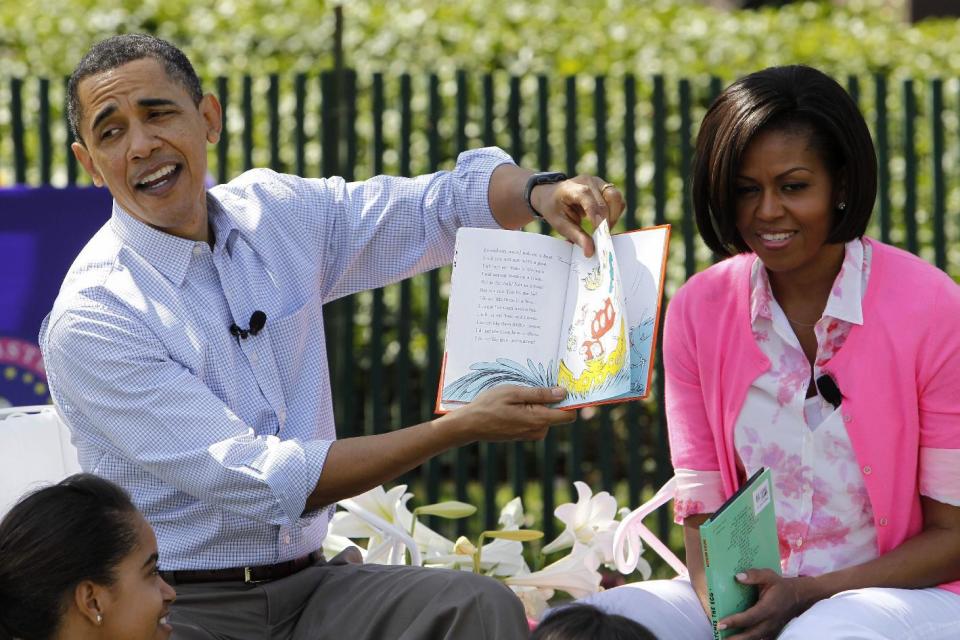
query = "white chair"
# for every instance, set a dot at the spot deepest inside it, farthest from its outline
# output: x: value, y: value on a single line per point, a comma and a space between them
x: 35, y: 450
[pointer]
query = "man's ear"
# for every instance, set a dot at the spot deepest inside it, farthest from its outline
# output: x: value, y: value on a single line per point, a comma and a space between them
x: 212, y: 114
x: 82, y: 155
x: 89, y: 599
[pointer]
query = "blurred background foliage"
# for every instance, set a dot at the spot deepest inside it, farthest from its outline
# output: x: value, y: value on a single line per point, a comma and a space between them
x: 548, y: 36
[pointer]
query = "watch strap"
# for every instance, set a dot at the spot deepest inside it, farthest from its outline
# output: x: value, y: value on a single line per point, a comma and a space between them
x: 542, y: 177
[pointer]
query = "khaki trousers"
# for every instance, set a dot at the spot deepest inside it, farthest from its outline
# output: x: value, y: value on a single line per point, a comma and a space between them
x: 340, y: 600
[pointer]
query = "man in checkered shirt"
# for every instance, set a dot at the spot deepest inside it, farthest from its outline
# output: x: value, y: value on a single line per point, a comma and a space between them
x: 186, y: 351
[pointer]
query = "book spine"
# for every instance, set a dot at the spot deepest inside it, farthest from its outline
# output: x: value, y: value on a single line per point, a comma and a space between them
x: 711, y: 596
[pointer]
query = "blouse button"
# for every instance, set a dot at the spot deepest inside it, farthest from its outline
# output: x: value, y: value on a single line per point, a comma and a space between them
x: 867, y: 470
x: 847, y: 417
x: 883, y: 522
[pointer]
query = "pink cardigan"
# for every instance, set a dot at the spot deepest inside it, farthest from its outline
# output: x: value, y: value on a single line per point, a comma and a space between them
x: 899, y: 373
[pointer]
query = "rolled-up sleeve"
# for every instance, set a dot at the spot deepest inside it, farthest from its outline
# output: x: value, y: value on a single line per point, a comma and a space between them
x: 939, y: 382
x: 692, y: 449
x: 130, y: 399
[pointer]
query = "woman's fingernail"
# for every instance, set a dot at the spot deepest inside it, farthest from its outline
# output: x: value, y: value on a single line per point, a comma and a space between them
x: 741, y: 577
x: 721, y: 626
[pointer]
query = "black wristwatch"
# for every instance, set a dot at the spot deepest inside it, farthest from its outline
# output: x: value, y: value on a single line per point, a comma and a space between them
x: 543, y: 177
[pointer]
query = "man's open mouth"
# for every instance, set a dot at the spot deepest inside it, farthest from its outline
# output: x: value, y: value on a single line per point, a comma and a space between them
x: 159, y: 178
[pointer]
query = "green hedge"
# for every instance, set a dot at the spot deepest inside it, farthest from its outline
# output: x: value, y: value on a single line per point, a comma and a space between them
x: 557, y: 36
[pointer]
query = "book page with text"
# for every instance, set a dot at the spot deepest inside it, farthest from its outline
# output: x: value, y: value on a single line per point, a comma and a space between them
x: 507, y: 294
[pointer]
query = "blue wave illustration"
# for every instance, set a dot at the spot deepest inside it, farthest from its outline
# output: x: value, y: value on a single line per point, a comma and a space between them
x: 486, y: 375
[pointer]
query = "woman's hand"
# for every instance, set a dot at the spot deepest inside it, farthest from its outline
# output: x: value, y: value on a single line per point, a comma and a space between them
x: 781, y: 599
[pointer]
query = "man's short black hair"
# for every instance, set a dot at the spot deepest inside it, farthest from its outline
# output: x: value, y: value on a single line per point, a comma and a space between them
x: 117, y: 51
x: 794, y: 99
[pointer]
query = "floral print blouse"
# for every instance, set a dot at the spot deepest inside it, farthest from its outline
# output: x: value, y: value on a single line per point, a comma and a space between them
x: 824, y: 516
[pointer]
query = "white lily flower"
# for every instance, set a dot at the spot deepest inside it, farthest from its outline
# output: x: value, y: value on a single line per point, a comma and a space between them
x: 535, y: 600
x: 463, y: 547
x: 511, y: 516
x: 373, y: 515
x: 334, y: 544
x: 590, y: 522
x: 429, y: 541
x: 498, y: 557
x: 575, y: 574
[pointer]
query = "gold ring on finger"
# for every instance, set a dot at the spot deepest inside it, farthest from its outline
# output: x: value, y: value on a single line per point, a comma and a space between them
x: 608, y: 185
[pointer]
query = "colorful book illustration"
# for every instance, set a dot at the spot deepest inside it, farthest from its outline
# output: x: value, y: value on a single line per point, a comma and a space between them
x: 532, y: 310
x: 740, y: 535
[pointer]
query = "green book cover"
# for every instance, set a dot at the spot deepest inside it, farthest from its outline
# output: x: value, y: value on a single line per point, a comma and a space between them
x: 740, y: 535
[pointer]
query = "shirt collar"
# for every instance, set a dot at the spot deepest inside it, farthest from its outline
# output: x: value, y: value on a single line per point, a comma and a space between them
x: 225, y: 232
x: 846, y: 298
x: 169, y: 254
x: 845, y: 302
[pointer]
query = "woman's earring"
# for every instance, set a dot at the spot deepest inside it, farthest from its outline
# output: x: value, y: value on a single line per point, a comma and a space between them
x: 842, y: 206
x: 99, y: 618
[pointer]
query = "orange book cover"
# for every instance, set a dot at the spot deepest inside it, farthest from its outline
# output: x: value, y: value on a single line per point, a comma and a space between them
x: 532, y: 310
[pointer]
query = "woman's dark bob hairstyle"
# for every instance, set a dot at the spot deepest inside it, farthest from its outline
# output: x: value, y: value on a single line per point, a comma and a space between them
x: 54, y: 539
x: 793, y: 98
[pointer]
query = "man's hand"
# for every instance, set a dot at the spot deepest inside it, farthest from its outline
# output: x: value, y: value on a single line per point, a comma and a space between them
x: 565, y: 205
x: 354, y: 465
x: 507, y: 413
x: 781, y: 600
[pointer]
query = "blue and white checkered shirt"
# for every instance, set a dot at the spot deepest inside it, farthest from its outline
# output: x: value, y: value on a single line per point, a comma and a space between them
x: 219, y: 440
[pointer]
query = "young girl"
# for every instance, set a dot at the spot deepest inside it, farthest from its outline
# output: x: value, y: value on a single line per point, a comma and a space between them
x: 79, y: 562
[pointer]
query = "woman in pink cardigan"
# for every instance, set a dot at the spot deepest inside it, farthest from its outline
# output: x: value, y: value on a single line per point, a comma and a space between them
x: 831, y: 358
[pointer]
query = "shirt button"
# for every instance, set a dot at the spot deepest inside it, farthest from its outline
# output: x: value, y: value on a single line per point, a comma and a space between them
x: 197, y: 249
x: 799, y: 542
x: 867, y: 470
x: 282, y: 414
x: 286, y: 538
x: 254, y: 358
x: 847, y: 417
x: 883, y: 522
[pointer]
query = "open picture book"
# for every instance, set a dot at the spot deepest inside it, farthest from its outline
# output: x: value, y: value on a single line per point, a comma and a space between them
x: 528, y: 309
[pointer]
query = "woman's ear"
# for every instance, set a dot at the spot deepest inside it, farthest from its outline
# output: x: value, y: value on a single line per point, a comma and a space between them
x: 89, y: 599
x: 840, y: 192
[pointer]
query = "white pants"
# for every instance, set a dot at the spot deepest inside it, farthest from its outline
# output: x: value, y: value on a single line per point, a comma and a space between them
x: 671, y: 610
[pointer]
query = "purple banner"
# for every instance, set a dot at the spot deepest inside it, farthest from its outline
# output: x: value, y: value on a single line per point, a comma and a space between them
x: 42, y: 229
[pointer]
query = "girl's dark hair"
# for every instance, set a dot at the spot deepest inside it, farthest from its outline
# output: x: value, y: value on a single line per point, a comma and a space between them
x: 117, y: 51
x: 53, y: 539
x: 586, y: 622
x: 794, y: 99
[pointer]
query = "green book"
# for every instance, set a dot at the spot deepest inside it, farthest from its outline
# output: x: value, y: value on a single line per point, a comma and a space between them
x: 740, y: 535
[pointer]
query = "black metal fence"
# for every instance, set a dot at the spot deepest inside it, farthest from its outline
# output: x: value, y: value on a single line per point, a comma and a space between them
x: 386, y: 345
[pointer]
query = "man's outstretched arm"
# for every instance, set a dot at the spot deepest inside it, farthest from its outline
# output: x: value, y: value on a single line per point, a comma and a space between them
x: 354, y: 465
